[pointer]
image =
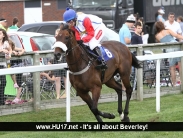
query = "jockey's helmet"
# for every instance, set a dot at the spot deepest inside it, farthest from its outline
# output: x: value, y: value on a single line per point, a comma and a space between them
x: 69, y: 14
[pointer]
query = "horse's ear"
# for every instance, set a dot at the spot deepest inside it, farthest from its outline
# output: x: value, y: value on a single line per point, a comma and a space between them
x: 61, y: 26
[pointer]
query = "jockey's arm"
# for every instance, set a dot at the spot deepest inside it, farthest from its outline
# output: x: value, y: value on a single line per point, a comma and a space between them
x: 89, y: 30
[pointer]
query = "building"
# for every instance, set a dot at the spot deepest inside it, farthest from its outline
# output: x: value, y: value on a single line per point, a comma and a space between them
x: 32, y: 11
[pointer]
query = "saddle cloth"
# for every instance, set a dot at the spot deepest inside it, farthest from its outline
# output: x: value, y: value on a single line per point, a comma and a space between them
x: 105, y: 52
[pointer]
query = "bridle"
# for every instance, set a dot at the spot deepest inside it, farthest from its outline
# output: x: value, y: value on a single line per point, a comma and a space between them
x: 71, y: 49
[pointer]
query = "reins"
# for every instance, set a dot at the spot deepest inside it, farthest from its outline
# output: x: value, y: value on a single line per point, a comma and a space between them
x: 70, y: 50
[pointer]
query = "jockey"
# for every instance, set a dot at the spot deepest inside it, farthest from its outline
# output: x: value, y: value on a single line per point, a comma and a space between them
x: 89, y: 29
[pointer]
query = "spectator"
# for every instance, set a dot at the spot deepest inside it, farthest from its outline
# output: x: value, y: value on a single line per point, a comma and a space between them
x: 5, y: 49
x: 136, y: 37
x: 58, y: 75
x: 56, y: 32
x: 124, y: 33
x: 180, y: 21
x: 144, y: 33
x: 14, y: 26
x: 160, y: 13
x: 167, y: 35
x: 172, y: 24
x: 48, y: 75
x: 132, y: 29
x: 3, y: 23
x: 17, y: 79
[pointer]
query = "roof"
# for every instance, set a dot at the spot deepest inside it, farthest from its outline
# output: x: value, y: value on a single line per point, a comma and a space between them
x: 45, y: 22
x: 30, y: 34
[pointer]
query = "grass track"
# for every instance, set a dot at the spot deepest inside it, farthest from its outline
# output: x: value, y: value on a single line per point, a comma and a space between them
x: 171, y: 111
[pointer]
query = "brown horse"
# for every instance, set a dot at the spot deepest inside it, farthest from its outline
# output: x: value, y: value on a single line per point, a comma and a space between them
x: 84, y: 77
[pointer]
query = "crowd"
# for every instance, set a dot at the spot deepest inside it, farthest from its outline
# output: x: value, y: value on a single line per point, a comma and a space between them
x: 134, y: 31
x: 8, y: 48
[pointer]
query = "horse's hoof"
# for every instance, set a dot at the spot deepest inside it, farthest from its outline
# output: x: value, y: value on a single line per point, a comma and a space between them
x: 112, y: 116
x: 126, y: 119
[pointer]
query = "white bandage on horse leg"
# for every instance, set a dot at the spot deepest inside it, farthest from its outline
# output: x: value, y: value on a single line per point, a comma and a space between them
x: 122, y: 116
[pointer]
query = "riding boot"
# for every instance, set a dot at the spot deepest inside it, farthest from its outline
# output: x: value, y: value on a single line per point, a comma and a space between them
x: 103, y: 65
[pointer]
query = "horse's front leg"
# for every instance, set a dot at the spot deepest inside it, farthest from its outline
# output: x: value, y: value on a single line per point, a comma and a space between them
x: 92, y: 105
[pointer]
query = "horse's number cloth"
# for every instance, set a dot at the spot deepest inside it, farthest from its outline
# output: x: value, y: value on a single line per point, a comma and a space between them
x: 106, y: 53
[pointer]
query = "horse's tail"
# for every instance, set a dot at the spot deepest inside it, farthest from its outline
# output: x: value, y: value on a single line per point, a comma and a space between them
x: 135, y: 62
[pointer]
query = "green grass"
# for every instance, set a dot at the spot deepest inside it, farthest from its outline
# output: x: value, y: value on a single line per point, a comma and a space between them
x: 171, y: 111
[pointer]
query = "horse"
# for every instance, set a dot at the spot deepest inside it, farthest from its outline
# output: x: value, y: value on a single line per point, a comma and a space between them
x: 85, y: 78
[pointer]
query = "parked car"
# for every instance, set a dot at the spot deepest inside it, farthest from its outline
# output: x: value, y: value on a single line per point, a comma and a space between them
x: 33, y: 42
x: 47, y: 27
x: 16, y: 39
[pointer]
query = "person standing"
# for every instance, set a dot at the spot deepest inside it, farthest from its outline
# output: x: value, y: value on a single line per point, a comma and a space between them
x: 3, y: 23
x: 160, y: 14
x: 172, y: 24
x: 14, y: 26
x: 167, y: 35
x: 180, y: 21
x: 136, y: 37
x: 5, y: 49
x: 124, y: 32
x: 17, y: 79
x: 144, y: 33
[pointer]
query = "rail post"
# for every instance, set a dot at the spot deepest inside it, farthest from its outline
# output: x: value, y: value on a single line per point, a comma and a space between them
x: 36, y: 83
x: 140, y: 77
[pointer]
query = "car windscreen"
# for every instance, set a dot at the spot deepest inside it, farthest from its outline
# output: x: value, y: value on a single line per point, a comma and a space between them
x: 44, y: 42
x: 48, y: 29
x: 16, y: 40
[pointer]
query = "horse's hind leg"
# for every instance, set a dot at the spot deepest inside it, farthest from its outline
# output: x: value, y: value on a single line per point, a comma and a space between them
x: 126, y: 82
x: 118, y: 88
x: 92, y: 104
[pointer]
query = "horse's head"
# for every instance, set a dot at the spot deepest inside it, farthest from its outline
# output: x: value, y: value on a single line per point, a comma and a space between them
x: 64, y: 40
x: 66, y: 36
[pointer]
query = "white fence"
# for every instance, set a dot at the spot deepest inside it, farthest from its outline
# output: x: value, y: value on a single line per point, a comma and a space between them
x: 158, y: 57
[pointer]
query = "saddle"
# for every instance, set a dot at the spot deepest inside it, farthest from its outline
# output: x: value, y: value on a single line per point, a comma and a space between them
x: 87, y: 49
x: 90, y: 52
